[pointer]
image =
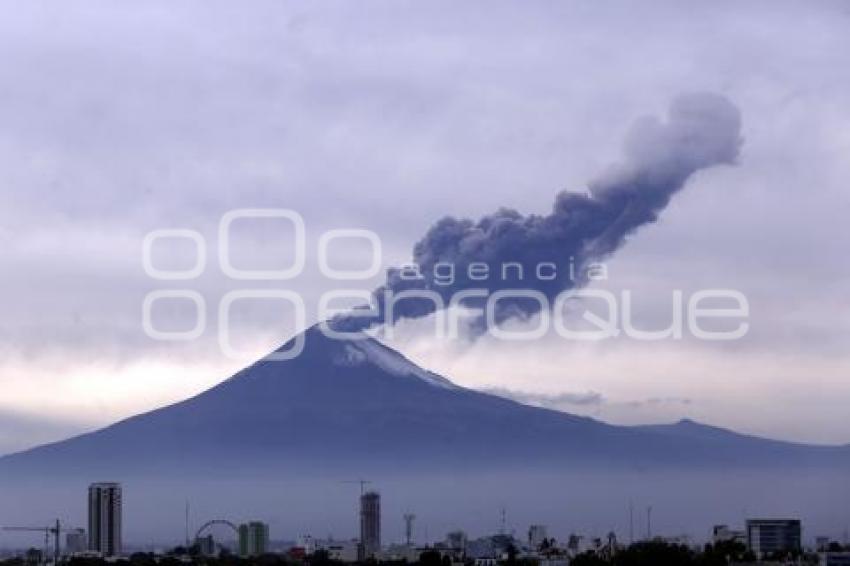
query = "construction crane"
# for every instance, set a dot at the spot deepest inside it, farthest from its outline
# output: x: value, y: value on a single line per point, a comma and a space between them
x: 363, y: 484
x: 54, y: 530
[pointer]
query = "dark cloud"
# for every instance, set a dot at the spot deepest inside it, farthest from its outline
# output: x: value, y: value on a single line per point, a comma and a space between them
x: 701, y: 130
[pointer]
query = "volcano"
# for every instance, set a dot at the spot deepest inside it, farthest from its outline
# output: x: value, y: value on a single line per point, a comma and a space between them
x: 357, y: 405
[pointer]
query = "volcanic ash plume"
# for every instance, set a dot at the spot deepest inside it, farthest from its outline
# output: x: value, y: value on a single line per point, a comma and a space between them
x: 701, y: 130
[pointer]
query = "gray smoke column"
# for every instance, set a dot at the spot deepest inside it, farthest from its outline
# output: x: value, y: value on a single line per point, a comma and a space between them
x: 701, y: 130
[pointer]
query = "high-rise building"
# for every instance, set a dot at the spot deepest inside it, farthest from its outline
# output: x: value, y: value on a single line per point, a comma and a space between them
x: 105, y: 518
x: 253, y: 539
x: 370, y: 524
x: 769, y: 536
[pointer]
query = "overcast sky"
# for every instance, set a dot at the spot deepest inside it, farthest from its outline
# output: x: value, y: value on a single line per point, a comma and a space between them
x: 119, y: 119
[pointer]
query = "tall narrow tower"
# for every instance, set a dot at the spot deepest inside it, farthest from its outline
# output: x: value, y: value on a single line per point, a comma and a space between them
x: 105, y: 518
x: 370, y: 523
x: 408, y: 528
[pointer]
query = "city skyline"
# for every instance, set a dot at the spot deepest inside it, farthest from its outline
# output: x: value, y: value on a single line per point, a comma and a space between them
x: 762, y: 536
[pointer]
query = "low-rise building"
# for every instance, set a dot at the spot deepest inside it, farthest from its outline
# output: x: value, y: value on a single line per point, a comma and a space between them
x: 342, y: 550
x: 76, y: 542
x: 456, y: 542
x: 206, y: 545
x: 766, y: 537
x: 406, y: 552
x: 722, y: 533
x: 537, y: 534
x: 834, y: 559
